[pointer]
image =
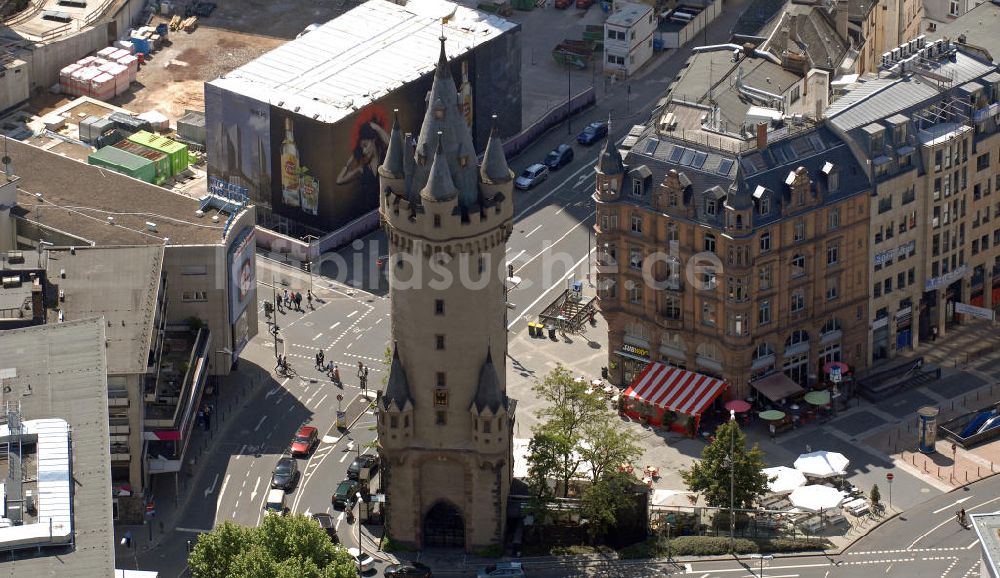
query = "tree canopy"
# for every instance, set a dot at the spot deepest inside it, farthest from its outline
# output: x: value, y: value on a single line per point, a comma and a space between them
x: 292, y: 546
x: 711, y: 475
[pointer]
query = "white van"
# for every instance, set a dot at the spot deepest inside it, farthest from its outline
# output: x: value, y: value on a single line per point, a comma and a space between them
x: 275, y: 503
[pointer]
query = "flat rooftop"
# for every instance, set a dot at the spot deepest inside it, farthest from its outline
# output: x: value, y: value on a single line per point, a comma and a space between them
x: 988, y: 529
x: 628, y: 13
x: 77, y: 198
x: 354, y: 60
x: 60, y: 372
x: 118, y: 283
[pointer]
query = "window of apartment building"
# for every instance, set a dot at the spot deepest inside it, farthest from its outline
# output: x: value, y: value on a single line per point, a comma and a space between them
x: 796, y: 93
x: 441, y: 418
x: 672, y: 200
x: 996, y: 237
x: 953, y: 8
x: 439, y: 307
x: 937, y: 189
x: 832, y: 254
x: 635, y: 258
x: 673, y: 233
x: 194, y: 296
x: 708, y: 314
x: 800, y: 231
x: 833, y: 181
x: 765, y: 206
x: 636, y: 224
x: 983, y: 161
x: 764, y: 277
x: 885, y: 204
x: 936, y: 268
x: 437, y: 221
x: 607, y: 289
x: 737, y: 289
x: 765, y: 242
x: 710, y: 207
x: 938, y: 154
x: 798, y: 266
x: 634, y: 293
x: 965, y: 179
x: 764, y: 312
x: 832, y: 288
x: 798, y: 301
x: 901, y: 280
x: 708, y: 281
x: 609, y: 222
x: 833, y: 218
x: 672, y: 307
x: 975, y: 246
x: 736, y: 324
x: 909, y: 195
x: 636, y: 188
x: 890, y: 230
x: 879, y: 234
x: 709, y: 243
x: 887, y: 286
x: 619, y: 60
x: 910, y: 276
x: 439, y: 342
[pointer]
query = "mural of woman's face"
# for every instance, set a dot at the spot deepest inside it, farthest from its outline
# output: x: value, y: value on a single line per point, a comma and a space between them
x: 369, y: 150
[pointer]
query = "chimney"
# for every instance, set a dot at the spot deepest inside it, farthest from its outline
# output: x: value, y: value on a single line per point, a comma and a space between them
x: 842, y: 13
x: 761, y: 135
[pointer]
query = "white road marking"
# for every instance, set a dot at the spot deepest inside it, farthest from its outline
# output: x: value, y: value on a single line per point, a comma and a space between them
x: 340, y: 519
x: 972, y: 545
x: 334, y: 326
x: 352, y: 313
x: 307, y: 512
x: 955, y: 503
x: 260, y: 423
x: 514, y: 258
x: 554, y: 243
x: 272, y: 392
x: 948, y: 520
x: 194, y: 530
x: 320, y: 402
x: 318, y: 335
x: 793, y: 567
x: 222, y: 491
x: 253, y: 493
x: 528, y: 234
x: 343, y: 458
x: 526, y: 210
x: 211, y: 488
x: 547, y: 291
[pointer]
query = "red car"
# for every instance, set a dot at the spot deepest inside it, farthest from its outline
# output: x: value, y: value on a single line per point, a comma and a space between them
x: 584, y: 4
x: 305, y: 441
x: 562, y: 4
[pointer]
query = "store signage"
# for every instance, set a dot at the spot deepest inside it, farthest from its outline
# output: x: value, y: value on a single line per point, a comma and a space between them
x: 880, y: 323
x: 900, y: 251
x: 947, y: 279
x: 980, y: 312
x: 632, y: 349
x: 228, y: 190
x: 904, y: 312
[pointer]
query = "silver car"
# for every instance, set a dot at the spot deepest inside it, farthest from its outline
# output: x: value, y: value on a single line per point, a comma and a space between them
x: 502, y: 570
x: 531, y: 176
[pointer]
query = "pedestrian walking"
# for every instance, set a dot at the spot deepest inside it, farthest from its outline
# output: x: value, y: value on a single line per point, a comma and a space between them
x: 773, y: 430
x: 298, y: 301
x: 309, y: 297
x: 286, y: 298
x: 318, y: 364
x: 336, y: 374
x: 961, y: 517
x: 322, y: 357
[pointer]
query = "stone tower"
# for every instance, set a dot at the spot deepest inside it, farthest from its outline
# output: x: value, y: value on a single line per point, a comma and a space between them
x: 445, y: 421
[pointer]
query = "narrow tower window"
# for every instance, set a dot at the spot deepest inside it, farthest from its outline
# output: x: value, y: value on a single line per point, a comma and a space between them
x: 439, y: 307
x: 439, y: 341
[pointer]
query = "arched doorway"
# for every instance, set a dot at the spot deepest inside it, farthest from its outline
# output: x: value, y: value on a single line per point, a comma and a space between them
x: 444, y: 527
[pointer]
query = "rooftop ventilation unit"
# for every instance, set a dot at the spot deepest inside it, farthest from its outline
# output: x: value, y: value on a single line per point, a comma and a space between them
x: 151, y: 225
x: 199, y: 213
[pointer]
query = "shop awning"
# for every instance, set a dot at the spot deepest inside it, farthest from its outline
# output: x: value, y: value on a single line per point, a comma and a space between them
x: 776, y: 386
x: 675, y: 389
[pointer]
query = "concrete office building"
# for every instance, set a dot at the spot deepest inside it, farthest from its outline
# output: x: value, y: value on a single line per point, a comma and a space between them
x: 928, y: 128
x: 445, y: 422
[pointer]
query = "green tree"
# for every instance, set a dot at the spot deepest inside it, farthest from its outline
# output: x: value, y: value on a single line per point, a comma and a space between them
x: 607, y: 446
x: 875, y: 497
x: 292, y: 546
x: 605, y: 501
x: 711, y: 475
x: 568, y: 409
x: 545, y: 453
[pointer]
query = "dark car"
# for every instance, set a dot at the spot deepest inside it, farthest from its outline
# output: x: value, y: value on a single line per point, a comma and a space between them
x: 328, y: 524
x: 304, y: 442
x: 345, y: 495
x: 361, y: 464
x: 285, y: 474
x: 561, y: 156
x: 592, y: 133
x: 407, y: 570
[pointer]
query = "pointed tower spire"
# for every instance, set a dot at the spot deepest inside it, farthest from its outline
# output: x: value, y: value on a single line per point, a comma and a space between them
x: 488, y: 393
x: 442, y: 66
x: 440, y: 186
x: 397, y: 389
x: 393, y: 164
x: 610, y: 160
x: 494, y: 169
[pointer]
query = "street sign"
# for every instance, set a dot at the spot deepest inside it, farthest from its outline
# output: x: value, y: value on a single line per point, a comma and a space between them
x: 340, y: 397
x: 889, y: 477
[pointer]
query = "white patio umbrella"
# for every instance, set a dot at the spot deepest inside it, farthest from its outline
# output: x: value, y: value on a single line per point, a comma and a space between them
x: 816, y: 498
x: 787, y: 479
x: 822, y: 464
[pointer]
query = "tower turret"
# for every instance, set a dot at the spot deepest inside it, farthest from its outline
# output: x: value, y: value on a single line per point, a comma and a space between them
x: 610, y: 170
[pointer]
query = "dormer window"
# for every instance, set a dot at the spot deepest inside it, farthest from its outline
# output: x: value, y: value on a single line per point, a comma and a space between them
x: 765, y: 206
x: 636, y: 188
x: 833, y: 181
x: 463, y: 160
x: 710, y: 207
x: 439, y: 113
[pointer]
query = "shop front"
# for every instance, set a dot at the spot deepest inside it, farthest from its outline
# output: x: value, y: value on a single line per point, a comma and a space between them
x: 670, y: 397
x: 904, y: 328
x: 632, y: 359
x: 880, y: 336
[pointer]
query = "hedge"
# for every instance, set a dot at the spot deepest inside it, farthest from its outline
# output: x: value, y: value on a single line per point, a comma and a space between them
x: 717, y: 545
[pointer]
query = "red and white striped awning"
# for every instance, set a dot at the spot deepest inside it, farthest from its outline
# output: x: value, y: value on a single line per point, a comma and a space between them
x: 675, y: 389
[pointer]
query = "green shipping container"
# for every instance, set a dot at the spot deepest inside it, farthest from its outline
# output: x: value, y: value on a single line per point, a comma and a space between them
x: 161, y: 161
x: 124, y: 162
x: 178, y: 152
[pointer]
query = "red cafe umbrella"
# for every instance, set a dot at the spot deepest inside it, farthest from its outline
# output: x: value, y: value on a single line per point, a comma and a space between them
x: 829, y: 365
x: 738, y: 405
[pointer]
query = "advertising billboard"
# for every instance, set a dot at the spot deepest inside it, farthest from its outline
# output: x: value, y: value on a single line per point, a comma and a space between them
x: 238, y: 143
x: 242, y: 273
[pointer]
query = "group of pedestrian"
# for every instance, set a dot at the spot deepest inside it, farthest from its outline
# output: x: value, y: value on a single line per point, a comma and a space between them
x: 293, y: 300
x: 282, y: 362
x: 363, y: 376
x: 320, y: 357
x: 205, y: 417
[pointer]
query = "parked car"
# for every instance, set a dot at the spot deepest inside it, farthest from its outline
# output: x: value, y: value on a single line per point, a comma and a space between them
x: 502, y: 569
x: 305, y: 441
x: 285, y: 474
x: 365, y: 562
x: 275, y: 503
x: 344, y: 495
x: 328, y: 524
x: 363, y: 467
x: 563, y: 4
x: 407, y: 570
x: 584, y: 4
x: 531, y: 176
x: 561, y: 156
x: 592, y: 133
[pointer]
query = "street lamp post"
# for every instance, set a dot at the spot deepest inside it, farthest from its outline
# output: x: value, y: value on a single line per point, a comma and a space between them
x: 732, y: 481
x: 569, y: 98
x: 361, y: 547
x: 274, y: 301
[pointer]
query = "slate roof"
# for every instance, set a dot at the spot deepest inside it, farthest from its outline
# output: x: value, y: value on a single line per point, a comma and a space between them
x: 397, y: 389
x: 65, y: 366
x: 495, y: 168
x: 488, y: 393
